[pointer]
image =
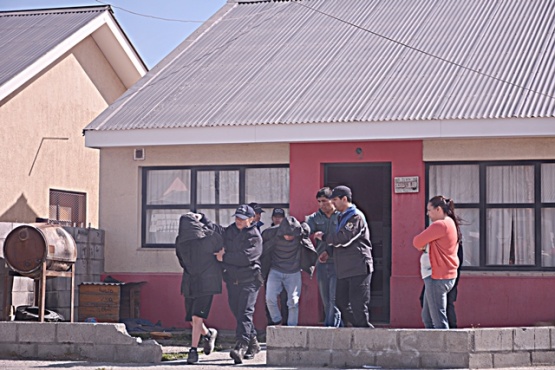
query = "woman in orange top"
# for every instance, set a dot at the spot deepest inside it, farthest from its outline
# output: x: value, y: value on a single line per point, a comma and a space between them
x: 439, y: 244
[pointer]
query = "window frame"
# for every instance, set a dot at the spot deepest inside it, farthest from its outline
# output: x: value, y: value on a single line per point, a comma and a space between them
x: 193, y: 205
x: 483, y: 207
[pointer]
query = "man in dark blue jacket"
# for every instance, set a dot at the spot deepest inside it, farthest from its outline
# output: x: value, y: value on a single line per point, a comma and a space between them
x: 241, y: 272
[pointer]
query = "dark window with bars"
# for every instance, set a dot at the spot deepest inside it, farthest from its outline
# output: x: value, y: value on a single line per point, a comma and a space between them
x: 216, y: 191
x: 68, y: 208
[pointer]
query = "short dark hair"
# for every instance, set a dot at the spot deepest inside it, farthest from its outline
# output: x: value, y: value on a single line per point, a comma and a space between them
x: 342, y: 191
x: 324, y: 192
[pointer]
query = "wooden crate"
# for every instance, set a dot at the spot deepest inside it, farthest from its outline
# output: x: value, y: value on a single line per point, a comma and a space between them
x: 100, y: 301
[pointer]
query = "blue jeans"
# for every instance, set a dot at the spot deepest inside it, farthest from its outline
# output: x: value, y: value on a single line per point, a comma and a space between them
x: 292, y: 283
x: 434, y: 308
x: 327, y: 282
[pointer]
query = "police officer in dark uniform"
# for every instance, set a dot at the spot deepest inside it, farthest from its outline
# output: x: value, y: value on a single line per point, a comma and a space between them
x: 241, y: 272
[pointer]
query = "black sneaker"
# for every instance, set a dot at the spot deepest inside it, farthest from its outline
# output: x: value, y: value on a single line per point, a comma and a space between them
x: 193, y: 356
x: 238, y: 352
x: 252, y: 349
x: 209, y: 341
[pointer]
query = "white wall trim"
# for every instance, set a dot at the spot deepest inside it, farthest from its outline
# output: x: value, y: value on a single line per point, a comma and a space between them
x: 323, y: 132
x: 119, y: 52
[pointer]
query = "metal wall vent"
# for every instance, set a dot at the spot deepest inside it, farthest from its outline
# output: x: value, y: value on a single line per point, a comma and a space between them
x: 139, y: 154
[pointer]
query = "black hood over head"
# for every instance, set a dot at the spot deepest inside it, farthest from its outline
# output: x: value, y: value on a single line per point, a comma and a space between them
x: 190, y: 228
x: 290, y: 226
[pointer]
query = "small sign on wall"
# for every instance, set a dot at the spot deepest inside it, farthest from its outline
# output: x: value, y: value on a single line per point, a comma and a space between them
x: 406, y: 184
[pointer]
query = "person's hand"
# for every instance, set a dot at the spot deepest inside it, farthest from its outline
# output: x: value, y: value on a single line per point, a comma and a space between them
x: 318, y: 235
x: 322, y: 258
x: 220, y: 255
x: 197, y: 216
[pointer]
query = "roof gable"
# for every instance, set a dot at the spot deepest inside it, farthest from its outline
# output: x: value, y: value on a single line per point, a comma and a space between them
x: 31, y: 40
x: 318, y: 61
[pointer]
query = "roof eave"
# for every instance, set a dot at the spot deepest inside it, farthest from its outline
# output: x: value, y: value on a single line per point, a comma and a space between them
x: 324, y: 132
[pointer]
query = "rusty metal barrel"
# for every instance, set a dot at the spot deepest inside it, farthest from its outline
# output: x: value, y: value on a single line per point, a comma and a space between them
x: 26, y: 248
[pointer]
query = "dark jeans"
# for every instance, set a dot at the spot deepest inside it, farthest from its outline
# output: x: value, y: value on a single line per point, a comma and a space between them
x: 327, y: 285
x: 241, y: 298
x: 356, y: 292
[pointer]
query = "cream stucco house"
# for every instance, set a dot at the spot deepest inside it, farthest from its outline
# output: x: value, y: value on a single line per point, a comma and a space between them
x: 270, y: 100
x: 59, y: 68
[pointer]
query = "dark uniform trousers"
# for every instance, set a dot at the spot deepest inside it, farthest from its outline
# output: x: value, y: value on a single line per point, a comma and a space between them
x: 356, y: 291
x: 242, y: 298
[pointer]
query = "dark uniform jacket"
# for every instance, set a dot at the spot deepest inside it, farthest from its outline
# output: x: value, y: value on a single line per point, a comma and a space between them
x: 274, y: 236
x: 195, y: 248
x: 243, y: 248
x: 351, y: 247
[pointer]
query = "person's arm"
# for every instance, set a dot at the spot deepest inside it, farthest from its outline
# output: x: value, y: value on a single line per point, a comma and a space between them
x: 214, y: 242
x: 212, y: 226
x: 435, y: 231
x: 353, y: 229
x: 311, y: 223
x: 178, y: 253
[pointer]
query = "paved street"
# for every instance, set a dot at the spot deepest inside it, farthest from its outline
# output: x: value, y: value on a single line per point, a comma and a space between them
x: 217, y: 360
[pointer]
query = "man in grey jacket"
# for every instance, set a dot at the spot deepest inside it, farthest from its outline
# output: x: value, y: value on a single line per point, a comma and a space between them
x: 324, y: 220
x: 352, y: 249
x: 287, y: 252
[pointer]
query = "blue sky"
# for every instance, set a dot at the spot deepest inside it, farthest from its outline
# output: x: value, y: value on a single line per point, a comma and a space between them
x: 153, y: 38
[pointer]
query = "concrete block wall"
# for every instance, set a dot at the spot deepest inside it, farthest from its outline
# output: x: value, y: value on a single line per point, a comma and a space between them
x: 75, y: 341
x: 411, y: 348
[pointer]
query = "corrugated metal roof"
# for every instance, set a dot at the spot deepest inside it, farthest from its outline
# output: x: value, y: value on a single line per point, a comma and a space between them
x: 291, y: 62
x: 25, y: 36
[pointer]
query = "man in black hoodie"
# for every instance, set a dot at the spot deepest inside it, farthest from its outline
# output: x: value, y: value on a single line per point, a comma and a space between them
x: 196, y: 246
x: 287, y: 252
x: 241, y: 263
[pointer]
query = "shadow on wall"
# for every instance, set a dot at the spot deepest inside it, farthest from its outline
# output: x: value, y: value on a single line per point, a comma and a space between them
x: 20, y: 211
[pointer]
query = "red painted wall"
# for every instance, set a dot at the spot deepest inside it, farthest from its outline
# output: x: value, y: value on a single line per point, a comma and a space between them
x: 408, y: 210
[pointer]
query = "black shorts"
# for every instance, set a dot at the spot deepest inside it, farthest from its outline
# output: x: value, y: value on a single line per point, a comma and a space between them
x: 198, y: 306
